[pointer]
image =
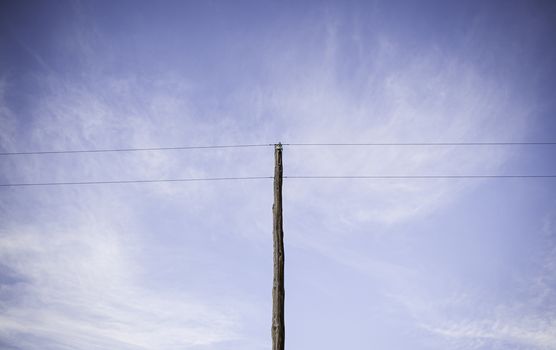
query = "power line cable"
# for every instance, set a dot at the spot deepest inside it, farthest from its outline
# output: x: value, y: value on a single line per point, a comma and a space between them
x: 419, y: 176
x: 425, y: 144
x: 106, y: 150
x: 300, y: 177
x: 28, y: 184
x: 143, y: 149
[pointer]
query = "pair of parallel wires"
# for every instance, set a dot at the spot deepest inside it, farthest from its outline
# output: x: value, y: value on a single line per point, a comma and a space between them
x: 302, y: 177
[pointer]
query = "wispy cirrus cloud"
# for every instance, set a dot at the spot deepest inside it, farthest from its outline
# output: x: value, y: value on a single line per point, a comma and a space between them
x: 474, y: 318
x: 72, y: 271
x: 76, y: 283
x: 166, y: 266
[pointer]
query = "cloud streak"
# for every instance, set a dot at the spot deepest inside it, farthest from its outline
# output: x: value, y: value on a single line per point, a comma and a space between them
x: 173, y: 266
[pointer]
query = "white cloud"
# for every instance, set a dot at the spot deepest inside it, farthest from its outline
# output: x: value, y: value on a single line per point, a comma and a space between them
x: 74, y: 253
x: 76, y: 264
x: 77, y: 285
x: 470, y: 318
x: 432, y: 97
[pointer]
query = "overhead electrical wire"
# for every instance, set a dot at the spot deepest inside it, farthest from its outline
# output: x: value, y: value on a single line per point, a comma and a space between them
x: 28, y: 184
x: 107, y: 150
x: 419, y: 177
x: 378, y: 144
x: 425, y: 144
x: 299, y: 177
x: 270, y: 177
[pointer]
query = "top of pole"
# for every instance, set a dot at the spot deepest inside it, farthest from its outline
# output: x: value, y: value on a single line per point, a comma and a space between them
x: 278, y: 146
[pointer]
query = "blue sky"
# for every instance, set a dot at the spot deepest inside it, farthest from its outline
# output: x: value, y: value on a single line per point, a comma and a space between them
x: 385, y: 264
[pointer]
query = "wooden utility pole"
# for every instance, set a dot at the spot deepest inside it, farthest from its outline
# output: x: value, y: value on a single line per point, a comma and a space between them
x: 278, y: 294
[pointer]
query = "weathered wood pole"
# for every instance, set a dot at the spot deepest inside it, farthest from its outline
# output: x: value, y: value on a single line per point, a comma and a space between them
x: 278, y: 294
